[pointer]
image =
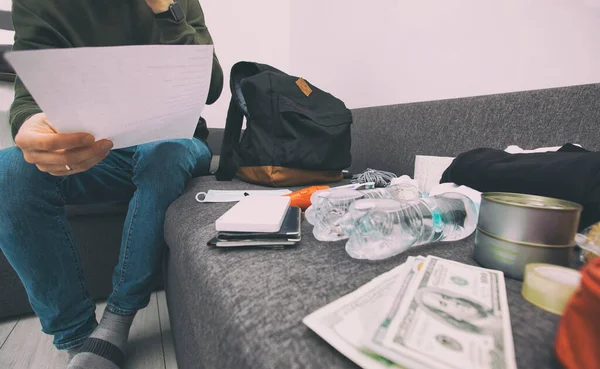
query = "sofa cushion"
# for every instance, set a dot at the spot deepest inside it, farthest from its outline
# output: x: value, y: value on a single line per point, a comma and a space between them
x: 389, y: 137
x: 244, y: 308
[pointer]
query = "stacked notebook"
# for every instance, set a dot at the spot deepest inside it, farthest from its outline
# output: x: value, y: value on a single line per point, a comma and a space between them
x: 259, y: 222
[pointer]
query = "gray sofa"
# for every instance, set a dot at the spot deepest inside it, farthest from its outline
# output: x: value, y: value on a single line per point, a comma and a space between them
x: 243, y: 309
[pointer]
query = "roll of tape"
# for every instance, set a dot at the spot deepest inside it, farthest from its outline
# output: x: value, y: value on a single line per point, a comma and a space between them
x: 550, y: 287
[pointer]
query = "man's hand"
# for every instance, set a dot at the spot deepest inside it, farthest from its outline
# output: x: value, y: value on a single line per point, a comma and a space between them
x: 159, y: 6
x: 53, y: 152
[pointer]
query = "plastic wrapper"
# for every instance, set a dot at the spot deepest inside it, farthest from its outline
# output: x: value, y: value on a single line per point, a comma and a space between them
x: 589, y: 241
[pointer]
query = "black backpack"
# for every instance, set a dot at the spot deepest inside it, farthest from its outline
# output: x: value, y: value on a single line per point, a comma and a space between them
x: 296, y: 134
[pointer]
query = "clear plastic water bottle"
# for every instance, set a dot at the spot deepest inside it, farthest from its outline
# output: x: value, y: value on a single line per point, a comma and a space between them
x: 404, y: 186
x: 329, y: 207
x: 316, y: 200
x: 382, y: 228
x: 329, y: 210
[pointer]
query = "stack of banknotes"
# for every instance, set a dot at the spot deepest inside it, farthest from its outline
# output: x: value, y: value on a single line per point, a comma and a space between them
x: 426, y: 313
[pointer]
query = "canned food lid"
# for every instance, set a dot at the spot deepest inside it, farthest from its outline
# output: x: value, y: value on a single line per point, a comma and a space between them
x: 531, y: 201
x: 522, y: 243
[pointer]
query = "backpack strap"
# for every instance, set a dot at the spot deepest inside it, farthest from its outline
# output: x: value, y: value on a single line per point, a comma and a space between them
x: 230, y: 161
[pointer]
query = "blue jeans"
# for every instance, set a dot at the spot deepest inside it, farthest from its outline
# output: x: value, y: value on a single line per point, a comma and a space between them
x: 37, y: 240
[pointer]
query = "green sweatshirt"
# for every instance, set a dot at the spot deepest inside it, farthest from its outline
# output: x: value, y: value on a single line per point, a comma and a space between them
x: 43, y: 24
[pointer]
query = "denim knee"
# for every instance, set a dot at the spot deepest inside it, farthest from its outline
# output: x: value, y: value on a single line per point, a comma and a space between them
x: 172, y: 160
x: 21, y: 183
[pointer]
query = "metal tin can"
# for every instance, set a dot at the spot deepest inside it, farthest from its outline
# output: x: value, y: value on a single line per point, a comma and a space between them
x: 529, y: 218
x: 512, y: 257
x: 516, y: 229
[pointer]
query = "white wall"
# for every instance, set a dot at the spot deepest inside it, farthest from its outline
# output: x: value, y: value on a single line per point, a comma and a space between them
x: 257, y: 30
x: 382, y: 52
x: 393, y: 51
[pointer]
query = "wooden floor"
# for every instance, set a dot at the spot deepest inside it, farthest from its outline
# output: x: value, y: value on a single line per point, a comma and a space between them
x: 24, y: 346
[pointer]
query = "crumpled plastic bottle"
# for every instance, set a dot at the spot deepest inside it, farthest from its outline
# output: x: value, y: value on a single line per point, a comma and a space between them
x: 381, y: 228
x: 330, y: 206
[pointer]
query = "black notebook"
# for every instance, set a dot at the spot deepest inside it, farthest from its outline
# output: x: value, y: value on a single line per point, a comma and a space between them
x: 288, y: 235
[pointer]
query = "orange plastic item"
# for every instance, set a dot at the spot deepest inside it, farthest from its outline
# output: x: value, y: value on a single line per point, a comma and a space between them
x: 578, y: 339
x: 301, y: 198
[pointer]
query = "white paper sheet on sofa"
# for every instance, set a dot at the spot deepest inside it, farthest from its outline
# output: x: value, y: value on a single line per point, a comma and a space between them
x: 429, y: 170
x: 514, y: 149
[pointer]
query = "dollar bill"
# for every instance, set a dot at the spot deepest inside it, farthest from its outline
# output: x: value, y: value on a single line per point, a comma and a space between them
x: 452, y: 316
x: 398, y: 291
x: 373, y: 341
x: 346, y: 322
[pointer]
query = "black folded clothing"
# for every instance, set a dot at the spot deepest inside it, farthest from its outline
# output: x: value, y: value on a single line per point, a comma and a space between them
x: 572, y: 174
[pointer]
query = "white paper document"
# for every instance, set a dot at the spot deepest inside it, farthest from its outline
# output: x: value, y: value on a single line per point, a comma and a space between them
x: 128, y: 94
x: 429, y: 170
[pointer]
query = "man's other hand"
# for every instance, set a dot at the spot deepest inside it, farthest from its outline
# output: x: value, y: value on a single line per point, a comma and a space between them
x: 55, y: 153
x: 159, y: 6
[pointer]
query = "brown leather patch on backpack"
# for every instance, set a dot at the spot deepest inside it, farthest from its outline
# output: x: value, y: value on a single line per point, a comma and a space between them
x: 304, y: 86
x: 283, y: 177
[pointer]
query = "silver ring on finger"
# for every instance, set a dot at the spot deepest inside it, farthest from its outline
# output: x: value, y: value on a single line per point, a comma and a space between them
x: 68, y: 167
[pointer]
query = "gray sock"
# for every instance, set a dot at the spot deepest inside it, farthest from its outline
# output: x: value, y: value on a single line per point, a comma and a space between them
x: 72, y: 352
x: 105, y: 348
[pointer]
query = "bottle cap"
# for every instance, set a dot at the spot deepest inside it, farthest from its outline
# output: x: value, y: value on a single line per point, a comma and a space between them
x: 301, y: 198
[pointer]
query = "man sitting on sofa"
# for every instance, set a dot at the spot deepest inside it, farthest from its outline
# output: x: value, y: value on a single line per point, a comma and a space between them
x: 47, y: 171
